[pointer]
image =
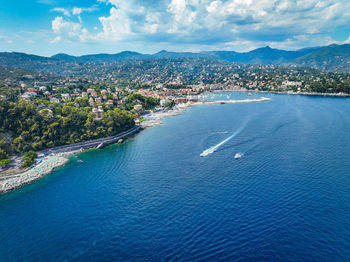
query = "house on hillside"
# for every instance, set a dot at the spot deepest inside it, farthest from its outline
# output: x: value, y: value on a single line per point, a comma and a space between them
x: 98, y: 113
x: 66, y: 97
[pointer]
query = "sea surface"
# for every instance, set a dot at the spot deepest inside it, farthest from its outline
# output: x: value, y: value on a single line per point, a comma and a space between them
x: 154, y: 198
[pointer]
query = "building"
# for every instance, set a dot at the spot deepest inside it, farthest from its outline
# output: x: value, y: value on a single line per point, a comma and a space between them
x: 291, y: 83
x: 98, y: 113
x: 25, y: 96
x: 98, y: 100
x: 93, y: 93
x: 138, y: 107
x: 66, y: 97
x: 91, y: 101
x: 163, y: 102
x: 109, y: 103
x: 54, y: 100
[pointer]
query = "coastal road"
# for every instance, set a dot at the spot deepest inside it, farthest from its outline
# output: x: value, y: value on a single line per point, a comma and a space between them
x: 91, y: 143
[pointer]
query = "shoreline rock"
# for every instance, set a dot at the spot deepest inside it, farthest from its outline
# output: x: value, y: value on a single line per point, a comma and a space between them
x: 47, y: 165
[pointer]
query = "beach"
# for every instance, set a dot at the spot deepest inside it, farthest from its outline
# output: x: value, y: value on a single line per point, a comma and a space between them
x: 156, y: 117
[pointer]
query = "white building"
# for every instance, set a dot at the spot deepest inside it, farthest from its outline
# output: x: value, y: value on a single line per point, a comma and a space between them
x: 292, y: 83
x: 66, y: 97
x: 54, y: 100
x: 163, y: 102
x: 138, y: 107
x: 98, y: 113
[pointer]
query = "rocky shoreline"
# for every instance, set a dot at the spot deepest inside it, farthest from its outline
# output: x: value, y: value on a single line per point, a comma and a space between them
x: 47, y: 165
x: 56, y: 157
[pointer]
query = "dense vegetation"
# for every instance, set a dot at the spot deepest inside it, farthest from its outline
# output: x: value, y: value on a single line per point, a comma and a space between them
x: 147, y: 103
x: 35, y: 128
x: 29, y: 158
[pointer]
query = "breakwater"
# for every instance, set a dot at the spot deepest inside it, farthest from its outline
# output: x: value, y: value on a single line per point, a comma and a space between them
x: 262, y: 99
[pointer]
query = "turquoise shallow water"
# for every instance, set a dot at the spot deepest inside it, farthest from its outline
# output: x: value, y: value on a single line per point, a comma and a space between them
x: 154, y: 198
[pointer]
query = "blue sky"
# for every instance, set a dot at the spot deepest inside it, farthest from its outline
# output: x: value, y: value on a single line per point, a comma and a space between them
x: 47, y: 27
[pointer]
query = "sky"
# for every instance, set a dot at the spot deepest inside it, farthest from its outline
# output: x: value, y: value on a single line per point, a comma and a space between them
x: 78, y: 27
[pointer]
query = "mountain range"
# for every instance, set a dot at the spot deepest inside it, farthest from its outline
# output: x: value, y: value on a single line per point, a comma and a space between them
x: 265, y: 55
x: 329, y: 58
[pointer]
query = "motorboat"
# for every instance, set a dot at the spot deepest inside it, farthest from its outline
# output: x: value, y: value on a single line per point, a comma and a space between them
x: 238, y: 155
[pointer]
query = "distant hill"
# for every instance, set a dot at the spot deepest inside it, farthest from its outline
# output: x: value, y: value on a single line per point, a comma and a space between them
x: 100, y: 58
x: 20, y: 59
x: 264, y: 55
x: 31, y: 62
x: 332, y: 58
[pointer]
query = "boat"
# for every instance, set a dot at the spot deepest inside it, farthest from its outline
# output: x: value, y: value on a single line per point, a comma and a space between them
x: 238, y: 155
x: 249, y: 94
x: 80, y: 161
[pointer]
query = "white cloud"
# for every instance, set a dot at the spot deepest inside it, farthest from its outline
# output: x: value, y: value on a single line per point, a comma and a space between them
x: 280, y: 23
x: 69, y: 30
x: 56, y: 39
x: 66, y: 12
x: 75, y: 10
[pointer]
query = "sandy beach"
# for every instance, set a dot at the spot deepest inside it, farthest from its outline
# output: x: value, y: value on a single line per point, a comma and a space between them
x: 156, y: 117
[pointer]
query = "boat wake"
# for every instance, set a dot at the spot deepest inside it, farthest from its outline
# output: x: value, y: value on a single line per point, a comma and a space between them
x: 212, y: 149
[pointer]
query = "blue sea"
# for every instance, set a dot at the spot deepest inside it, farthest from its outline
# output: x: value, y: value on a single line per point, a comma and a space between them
x: 154, y: 198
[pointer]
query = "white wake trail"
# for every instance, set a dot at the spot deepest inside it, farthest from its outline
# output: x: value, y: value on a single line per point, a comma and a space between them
x: 212, y: 149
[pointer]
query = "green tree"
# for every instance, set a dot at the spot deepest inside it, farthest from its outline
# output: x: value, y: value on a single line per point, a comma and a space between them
x: 29, y: 158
